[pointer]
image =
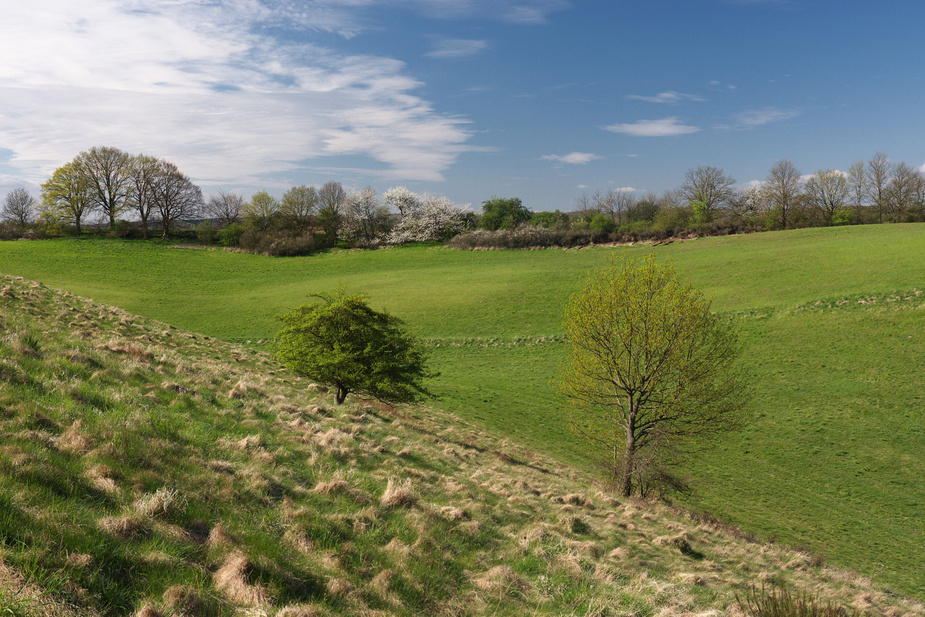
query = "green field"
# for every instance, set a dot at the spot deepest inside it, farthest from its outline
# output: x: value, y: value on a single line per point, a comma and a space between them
x: 831, y: 459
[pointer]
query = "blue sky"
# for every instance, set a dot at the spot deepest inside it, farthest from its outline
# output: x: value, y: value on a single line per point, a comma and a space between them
x: 539, y: 99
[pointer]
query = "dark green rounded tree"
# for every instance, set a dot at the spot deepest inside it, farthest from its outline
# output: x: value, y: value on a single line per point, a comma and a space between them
x: 342, y: 342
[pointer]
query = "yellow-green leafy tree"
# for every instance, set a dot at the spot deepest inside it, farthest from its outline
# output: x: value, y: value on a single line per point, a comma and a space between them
x: 650, y: 370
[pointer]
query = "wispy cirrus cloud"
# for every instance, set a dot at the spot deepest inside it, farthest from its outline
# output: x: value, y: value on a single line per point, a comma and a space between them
x: 574, y: 158
x: 665, y: 97
x: 214, y: 87
x: 754, y: 118
x: 664, y: 127
x: 529, y: 12
x: 457, y: 48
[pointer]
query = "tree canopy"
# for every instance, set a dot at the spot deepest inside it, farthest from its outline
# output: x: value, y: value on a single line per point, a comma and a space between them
x: 342, y: 342
x: 649, y: 367
x: 503, y: 213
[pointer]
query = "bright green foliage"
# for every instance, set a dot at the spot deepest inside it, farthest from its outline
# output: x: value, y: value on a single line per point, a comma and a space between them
x: 342, y: 342
x: 649, y: 367
x: 261, y: 210
x: 602, y: 224
x: 67, y: 194
x: 503, y: 213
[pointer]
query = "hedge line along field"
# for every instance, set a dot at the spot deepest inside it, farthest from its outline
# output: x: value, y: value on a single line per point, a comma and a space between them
x: 831, y: 320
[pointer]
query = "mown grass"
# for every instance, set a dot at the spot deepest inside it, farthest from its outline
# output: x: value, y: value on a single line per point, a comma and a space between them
x: 830, y: 460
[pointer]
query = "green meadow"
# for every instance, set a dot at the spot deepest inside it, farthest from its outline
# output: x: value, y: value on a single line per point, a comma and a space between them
x: 831, y: 459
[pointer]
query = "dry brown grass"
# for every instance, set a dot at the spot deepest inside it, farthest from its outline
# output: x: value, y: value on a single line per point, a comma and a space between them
x: 301, y: 610
x: 219, y: 538
x: 101, y: 477
x: 185, y: 601
x: 399, y: 493
x: 73, y: 440
x: 164, y: 503
x: 500, y: 579
x: 232, y: 580
x: 126, y: 527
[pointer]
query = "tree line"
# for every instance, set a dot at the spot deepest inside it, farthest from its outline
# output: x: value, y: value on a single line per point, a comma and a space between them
x: 138, y: 194
x: 873, y: 191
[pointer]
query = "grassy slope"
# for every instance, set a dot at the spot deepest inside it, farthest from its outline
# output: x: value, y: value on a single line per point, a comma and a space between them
x: 151, y: 471
x: 831, y: 460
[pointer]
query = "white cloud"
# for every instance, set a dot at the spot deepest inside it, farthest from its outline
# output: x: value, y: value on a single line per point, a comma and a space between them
x: 457, y: 48
x: 203, y: 84
x: 760, y: 117
x: 528, y: 12
x: 665, y: 127
x: 665, y: 97
x: 575, y: 158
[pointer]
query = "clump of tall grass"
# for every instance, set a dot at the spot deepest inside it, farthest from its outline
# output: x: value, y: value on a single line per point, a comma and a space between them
x: 779, y: 602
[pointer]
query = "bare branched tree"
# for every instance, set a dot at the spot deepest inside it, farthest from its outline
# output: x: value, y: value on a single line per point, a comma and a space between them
x: 782, y: 190
x: 614, y: 204
x: 20, y: 207
x: 827, y: 192
x: 900, y: 195
x: 878, y: 178
x: 108, y: 172
x: 858, y: 186
x: 298, y: 207
x: 176, y: 197
x: 143, y: 174
x: 331, y: 198
x: 367, y: 219
x: 709, y: 186
x: 226, y: 208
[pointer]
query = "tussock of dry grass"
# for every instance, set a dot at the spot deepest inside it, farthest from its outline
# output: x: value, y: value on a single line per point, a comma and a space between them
x: 500, y: 579
x: 185, y: 601
x: 73, y: 440
x: 398, y: 493
x: 164, y: 503
x: 219, y: 538
x: 231, y: 579
x: 126, y: 527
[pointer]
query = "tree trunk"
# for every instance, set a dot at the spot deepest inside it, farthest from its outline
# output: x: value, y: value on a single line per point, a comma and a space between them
x: 629, y: 456
x: 340, y: 395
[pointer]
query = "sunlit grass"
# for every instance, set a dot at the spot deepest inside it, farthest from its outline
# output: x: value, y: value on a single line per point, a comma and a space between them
x: 830, y: 460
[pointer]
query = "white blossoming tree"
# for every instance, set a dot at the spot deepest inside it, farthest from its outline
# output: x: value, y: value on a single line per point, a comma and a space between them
x: 425, y: 217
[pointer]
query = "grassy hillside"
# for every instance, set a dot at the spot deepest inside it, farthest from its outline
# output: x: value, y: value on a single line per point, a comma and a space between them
x: 831, y: 460
x: 152, y: 471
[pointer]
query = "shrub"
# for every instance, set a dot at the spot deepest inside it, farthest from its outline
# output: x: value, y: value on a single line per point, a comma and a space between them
x: 121, y: 229
x: 205, y: 234
x: 231, y: 235
x: 11, y: 230
x: 522, y: 237
x: 601, y: 225
x: 671, y: 221
x: 843, y: 216
x: 279, y: 243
